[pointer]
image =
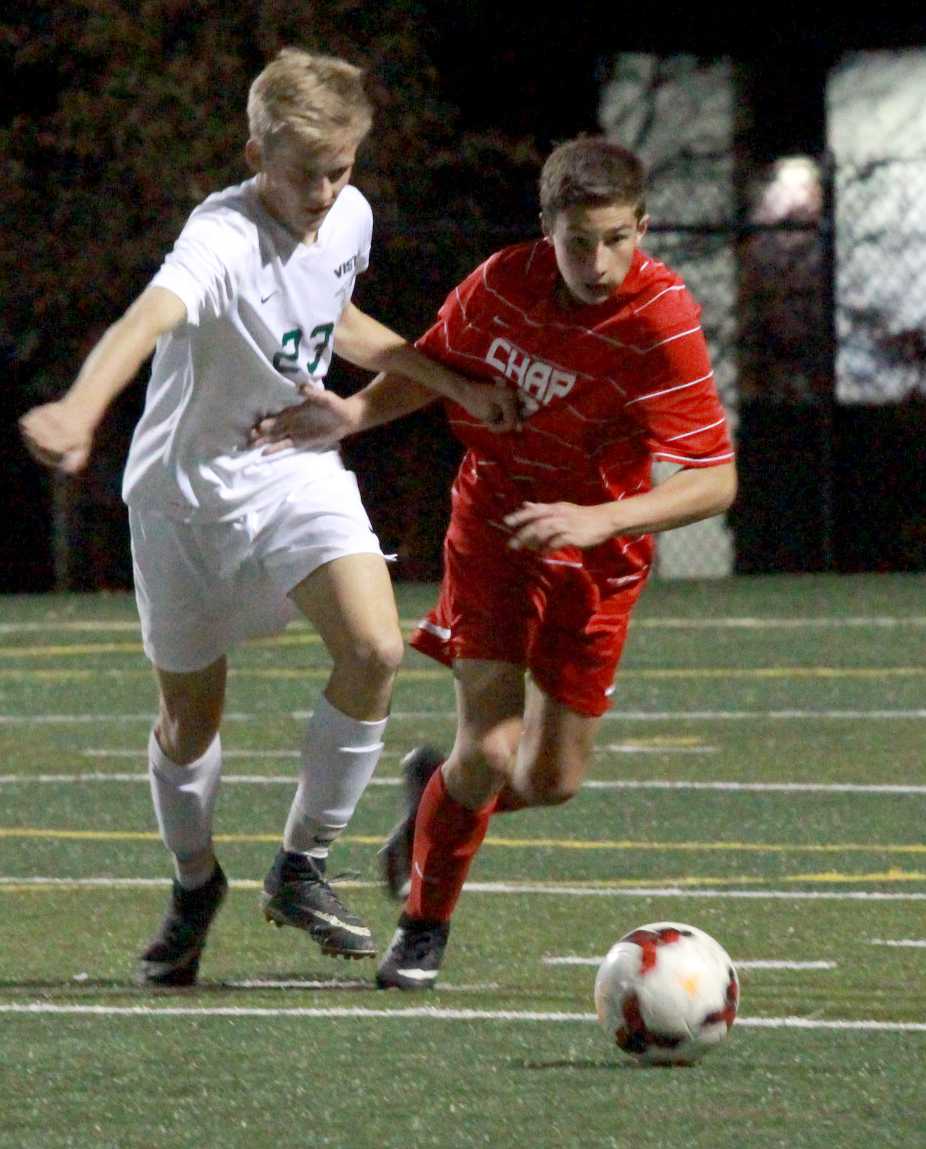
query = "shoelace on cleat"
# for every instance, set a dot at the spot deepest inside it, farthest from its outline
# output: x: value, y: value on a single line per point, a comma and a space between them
x: 322, y: 884
x: 345, y: 876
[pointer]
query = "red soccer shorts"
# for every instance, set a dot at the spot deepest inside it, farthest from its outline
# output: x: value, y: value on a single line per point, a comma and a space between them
x: 564, y: 622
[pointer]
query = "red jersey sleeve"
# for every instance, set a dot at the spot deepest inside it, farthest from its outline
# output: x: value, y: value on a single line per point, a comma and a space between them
x: 673, y: 397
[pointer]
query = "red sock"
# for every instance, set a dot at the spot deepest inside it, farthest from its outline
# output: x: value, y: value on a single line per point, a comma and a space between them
x: 447, y: 837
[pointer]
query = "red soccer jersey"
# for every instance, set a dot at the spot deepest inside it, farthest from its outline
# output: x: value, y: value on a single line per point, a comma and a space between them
x: 606, y: 388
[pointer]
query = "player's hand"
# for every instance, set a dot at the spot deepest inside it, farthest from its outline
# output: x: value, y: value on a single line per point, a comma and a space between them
x: 321, y: 420
x: 58, y: 436
x: 552, y: 526
x: 498, y: 406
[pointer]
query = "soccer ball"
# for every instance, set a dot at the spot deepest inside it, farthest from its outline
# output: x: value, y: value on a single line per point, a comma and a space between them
x: 666, y: 993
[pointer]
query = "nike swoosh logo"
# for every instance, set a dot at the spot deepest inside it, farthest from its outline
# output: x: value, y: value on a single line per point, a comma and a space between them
x: 418, y: 974
x: 332, y: 920
x: 264, y: 298
x: 421, y: 874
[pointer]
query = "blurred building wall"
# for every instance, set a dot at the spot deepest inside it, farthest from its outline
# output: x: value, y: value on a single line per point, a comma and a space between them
x: 876, y: 115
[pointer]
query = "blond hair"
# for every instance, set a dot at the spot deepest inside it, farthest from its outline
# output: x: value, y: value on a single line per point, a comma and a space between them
x: 315, y: 97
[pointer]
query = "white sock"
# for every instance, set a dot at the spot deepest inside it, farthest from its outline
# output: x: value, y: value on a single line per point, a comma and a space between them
x: 184, y: 798
x: 339, y: 755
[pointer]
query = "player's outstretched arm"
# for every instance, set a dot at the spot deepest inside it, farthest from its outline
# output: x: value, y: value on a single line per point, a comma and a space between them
x: 60, y: 434
x: 323, y: 419
x: 365, y: 342
x: 687, y: 496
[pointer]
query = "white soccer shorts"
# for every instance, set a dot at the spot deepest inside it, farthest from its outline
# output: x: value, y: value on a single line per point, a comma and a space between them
x: 203, y: 587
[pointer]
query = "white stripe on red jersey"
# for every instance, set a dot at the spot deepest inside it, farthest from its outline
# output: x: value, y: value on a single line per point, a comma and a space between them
x: 607, y: 388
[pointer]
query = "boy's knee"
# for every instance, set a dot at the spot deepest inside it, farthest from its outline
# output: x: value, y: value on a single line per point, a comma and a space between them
x: 496, y: 755
x: 478, y: 771
x: 550, y: 779
x: 549, y: 791
x: 182, y: 740
x: 376, y: 658
x: 383, y: 656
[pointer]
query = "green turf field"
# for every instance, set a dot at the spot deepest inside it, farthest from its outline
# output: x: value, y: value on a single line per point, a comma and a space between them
x: 762, y: 775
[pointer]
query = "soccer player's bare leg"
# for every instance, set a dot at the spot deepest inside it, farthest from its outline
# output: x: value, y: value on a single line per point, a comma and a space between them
x: 554, y: 753
x: 515, y: 747
x: 351, y: 604
x: 190, y: 710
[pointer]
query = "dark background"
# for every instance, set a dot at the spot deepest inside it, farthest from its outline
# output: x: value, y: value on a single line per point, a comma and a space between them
x: 488, y: 89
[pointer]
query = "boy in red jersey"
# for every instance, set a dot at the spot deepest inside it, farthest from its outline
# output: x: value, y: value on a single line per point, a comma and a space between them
x: 549, y: 542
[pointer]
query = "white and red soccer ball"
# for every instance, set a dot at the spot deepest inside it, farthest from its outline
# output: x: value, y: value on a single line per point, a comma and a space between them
x: 667, y: 993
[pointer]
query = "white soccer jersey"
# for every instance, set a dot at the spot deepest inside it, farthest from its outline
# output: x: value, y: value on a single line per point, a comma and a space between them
x: 261, y: 312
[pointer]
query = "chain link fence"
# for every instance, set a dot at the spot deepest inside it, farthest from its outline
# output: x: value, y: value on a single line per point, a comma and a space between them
x: 881, y: 281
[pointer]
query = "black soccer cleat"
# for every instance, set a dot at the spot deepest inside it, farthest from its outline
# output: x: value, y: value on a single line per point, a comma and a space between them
x: 413, y: 959
x: 395, y: 857
x: 296, y: 894
x: 172, y: 958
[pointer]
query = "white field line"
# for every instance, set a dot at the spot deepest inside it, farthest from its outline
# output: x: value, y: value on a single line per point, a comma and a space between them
x: 229, y: 755
x: 875, y: 621
x: 793, y: 715
x: 757, y: 787
x: 790, y: 715
x: 591, y: 784
x: 643, y: 891
x: 566, y: 891
x: 900, y: 943
x: 93, y: 717
x: 635, y: 748
x: 431, y: 1013
x: 97, y: 626
x: 569, y: 959
x: 346, y: 983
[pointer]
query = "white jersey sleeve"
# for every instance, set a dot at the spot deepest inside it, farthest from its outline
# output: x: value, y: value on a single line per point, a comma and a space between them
x: 205, y: 266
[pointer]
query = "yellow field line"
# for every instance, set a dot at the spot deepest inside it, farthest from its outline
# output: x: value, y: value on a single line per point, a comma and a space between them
x: 31, y: 832
x: 891, y: 875
x: 666, y: 740
x: 299, y: 673
x: 69, y: 649
x: 752, y: 847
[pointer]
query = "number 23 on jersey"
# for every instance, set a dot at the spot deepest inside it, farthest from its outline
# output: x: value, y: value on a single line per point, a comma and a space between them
x: 286, y: 361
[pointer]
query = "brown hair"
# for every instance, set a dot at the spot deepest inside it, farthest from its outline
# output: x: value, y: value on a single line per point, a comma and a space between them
x: 316, y: 97
x: 591, y: 170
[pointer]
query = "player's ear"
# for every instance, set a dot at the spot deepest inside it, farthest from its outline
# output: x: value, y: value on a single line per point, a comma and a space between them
x: 253, y: 154
x: 643, y: 226
x: 545, y: 225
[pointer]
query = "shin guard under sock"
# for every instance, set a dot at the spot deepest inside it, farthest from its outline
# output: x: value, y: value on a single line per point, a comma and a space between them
x: 447, y: 837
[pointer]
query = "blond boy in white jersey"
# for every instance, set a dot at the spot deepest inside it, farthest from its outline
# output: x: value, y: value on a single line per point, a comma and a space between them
x: 229, y: 539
